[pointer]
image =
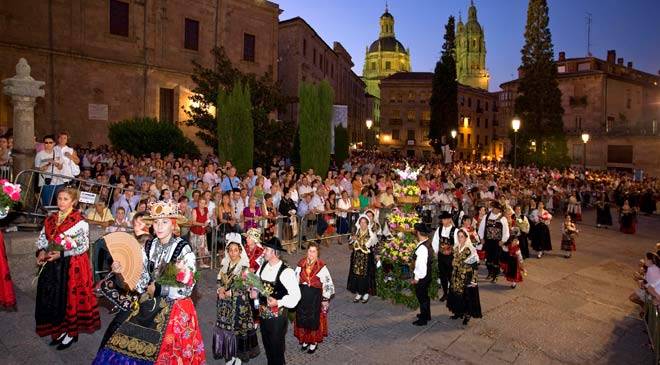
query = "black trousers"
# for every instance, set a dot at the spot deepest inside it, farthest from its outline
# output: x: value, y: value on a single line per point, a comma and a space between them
x: 422, y: 294
x: 444, y: 271
x: 273, y: 334
x: 524, y: 245
x: 492, y: 248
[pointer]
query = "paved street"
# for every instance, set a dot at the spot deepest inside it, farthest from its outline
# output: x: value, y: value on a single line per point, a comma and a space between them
x: 566, y: 312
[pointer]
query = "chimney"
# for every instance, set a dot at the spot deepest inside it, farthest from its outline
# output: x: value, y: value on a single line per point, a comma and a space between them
x: 562, y: 56
x: 630, y: 64
x: 611, y: 56
x: 619, y: 61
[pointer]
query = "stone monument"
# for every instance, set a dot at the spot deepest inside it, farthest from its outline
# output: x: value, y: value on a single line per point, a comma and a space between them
x: 24, y: 91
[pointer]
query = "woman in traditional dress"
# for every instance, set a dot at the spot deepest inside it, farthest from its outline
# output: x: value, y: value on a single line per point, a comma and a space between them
x: 200, y: 220
x: 316, y: 289
x: 568, y: 234
x: 163, y: 328
x: 254, y: 249
x: 235, y: 337
x: 65, y: 305
x: 603, y: 213
x: 362, y: 272
x: 7, y: 295
x: 574, y: 208
x: 627, y: 218
x: 512, y: 259
x: 463, y: 299
x: 542, y: 241
x: 521, y: 222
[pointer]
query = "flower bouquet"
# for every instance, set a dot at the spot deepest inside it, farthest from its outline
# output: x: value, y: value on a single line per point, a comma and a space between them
x: 10, y: 195
x: 177, y: 275
x: 399, y: 249
x: 406, y: 190
x: 252, y: 281
x: 62, y: 242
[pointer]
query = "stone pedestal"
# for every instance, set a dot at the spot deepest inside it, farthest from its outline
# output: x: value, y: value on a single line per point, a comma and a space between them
x: 24, y: 91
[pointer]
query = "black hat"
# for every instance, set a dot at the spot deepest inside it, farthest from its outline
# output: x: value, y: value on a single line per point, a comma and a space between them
x: 445, y: 215
x: 274, y: 243
x: 423, y: 228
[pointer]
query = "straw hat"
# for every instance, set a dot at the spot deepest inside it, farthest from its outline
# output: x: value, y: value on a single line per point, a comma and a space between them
x: 161, y: 209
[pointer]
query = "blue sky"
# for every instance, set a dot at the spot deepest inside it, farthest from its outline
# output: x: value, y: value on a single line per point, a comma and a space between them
x: 631, y: 27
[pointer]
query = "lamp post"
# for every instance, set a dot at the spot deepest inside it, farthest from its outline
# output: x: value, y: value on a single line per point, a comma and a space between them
x: 515, y: 124
x: 453, y: 137
x: 585, y: 139
x: 369, y: 123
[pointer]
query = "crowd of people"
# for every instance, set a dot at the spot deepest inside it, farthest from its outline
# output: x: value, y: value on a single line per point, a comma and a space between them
x: 487, y: 214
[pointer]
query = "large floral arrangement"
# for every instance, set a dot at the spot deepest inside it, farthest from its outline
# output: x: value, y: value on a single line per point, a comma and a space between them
x: 399, y: 249
x: 406, y: 190
x: 409, y: 190
x: 402, y: 221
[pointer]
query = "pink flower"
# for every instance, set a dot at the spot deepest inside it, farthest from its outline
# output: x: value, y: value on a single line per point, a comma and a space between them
x: 58, y: 239
x: 12, y: 190
x: 68, y: 245
x: 3, y: 181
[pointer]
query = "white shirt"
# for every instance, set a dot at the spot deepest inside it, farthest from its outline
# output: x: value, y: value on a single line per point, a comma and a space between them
x: 344, y: 204
x: 40, y: 160
x: 422, y: 254
x: 67, y: 164
x: 442, y: 231
x: 288, y: 279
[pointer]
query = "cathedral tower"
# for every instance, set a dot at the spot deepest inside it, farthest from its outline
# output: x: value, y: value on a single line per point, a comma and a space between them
x: 471, y: 52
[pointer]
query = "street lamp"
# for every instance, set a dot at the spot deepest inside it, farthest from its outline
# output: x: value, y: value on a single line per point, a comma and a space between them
x: 515, y: 123
x: 453, y: 137
x: 585, y: 139
x: 369, y: 123
x: 453, y: 133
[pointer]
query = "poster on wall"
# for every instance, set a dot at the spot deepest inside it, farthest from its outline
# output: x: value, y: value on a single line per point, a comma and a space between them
x: 97, y: 111
x: 339, y: 118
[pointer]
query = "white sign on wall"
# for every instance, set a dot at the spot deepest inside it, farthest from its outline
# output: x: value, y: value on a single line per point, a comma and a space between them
x: 87, y: 197
x: 97, y: 111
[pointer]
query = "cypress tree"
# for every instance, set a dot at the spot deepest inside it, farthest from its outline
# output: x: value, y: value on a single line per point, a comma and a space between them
x: 444, y: 92
x: 314, y: 118
x: 235, y: 128
x: 539, y: 102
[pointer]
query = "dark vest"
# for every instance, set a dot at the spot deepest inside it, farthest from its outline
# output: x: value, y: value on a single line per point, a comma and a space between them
x: 448, y: 242
x: 278, y: 289
x: 493, y: 229
x: 175, y: 255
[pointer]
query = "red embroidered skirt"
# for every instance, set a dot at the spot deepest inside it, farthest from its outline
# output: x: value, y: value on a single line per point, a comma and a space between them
x: 182, y: 341
x: 7, y: 295
x: 82, y: 313
x: 313, y: 336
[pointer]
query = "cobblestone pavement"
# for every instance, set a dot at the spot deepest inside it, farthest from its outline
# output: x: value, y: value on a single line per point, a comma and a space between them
x: 571, y: 311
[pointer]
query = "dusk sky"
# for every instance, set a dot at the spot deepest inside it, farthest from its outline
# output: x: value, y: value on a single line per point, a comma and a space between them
x: 632, y: 28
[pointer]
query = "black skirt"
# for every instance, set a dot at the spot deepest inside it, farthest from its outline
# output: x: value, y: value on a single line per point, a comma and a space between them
x: 604, y: 215
x: 541, y: 240
x: 308, y: 312
x: 362, y: 273
x: 465, y: 303
x: 52, y: 288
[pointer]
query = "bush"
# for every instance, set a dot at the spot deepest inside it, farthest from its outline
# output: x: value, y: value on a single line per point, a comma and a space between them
x: 140, y: 136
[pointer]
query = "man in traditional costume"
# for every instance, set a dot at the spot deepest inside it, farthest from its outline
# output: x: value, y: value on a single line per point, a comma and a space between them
x: 281, y: 294
x: 422, y: 273
x: 494, y: 231
x: 443, y: 243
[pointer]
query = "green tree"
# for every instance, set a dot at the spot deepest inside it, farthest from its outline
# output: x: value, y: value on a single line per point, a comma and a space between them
x: 235, y: 128
x: 539, y: 102
x: 273, y: 137
x: 141, y: 136
x: 444, y: 92
x: 314, y: 119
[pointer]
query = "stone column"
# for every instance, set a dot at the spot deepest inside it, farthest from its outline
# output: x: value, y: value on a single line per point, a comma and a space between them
x: 23, y: 90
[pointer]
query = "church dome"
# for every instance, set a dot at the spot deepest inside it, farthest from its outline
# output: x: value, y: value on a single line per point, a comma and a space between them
x: 387, y: 44
x: 386, y: 14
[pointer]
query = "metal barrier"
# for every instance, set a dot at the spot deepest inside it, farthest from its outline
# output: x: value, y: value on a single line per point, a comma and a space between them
x: 652, y: 321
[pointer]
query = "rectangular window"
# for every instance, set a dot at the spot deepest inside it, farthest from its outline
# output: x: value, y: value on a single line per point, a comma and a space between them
x: 411, y: 96
x: 395, y: 134
x: 486, y: 106
x: 191, y: 35
x: 469, y: 142
x: 388, y: 65
x: 584, y: 66
x: 469, y: 102
x: 411, y: 134
x: 486, y: 140
x: 249, y: 43
x: 478, y: 123
x: 486, y: 123
x: 462, y: 100
x: 411, y: 115
x: 461, y: 138
x: 166, y: 105
x: 578, y: 123
x: 119, y: 18
x: 478, y: 103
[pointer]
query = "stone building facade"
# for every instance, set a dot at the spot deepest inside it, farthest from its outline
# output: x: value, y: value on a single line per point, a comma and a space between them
x: 617, y: 105
x: 406, y: 118
x: 305, y: 57
x: 108, y: 60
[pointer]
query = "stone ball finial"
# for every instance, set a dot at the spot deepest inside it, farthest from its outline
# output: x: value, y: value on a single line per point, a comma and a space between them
x: 23, y: 68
